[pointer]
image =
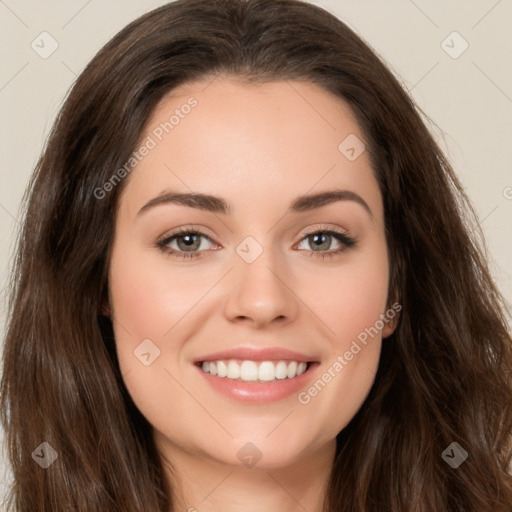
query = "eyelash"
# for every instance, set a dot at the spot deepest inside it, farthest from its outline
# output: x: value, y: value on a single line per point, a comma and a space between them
x: 345, y: 239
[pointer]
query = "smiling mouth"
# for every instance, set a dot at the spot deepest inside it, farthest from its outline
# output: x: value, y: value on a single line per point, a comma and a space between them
x: 254, y: 371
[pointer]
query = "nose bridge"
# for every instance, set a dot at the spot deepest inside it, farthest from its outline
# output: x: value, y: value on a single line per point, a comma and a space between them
x: 259, y: 291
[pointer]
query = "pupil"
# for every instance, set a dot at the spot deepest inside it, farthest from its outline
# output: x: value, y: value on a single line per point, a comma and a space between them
x: 188, y: 241
x: 320, y: 238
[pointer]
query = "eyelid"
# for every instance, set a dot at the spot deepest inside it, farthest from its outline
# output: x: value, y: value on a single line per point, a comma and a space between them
x: 189, y: 228
x: 323, y: 228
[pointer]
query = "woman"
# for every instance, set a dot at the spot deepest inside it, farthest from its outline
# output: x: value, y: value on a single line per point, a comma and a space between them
x: 245, y: 281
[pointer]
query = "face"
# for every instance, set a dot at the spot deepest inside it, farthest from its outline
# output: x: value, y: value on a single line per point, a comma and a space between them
x: 249, y: 242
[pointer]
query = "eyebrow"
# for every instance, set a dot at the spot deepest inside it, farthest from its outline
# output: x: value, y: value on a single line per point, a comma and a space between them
x: 216, y: 204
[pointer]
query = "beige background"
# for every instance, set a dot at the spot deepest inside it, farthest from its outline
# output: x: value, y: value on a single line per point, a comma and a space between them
x: 469, y: 98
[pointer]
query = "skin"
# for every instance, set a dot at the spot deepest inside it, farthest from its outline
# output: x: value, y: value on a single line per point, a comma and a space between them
x: 258, y: 147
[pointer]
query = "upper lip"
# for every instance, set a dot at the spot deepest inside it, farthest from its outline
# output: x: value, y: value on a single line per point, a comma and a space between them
x: 254, y: 354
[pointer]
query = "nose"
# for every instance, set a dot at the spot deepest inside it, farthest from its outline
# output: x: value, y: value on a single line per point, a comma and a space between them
x: 260, y: 293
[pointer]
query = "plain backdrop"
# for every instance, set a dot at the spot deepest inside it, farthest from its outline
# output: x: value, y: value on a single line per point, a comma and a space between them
x: 462, y: 81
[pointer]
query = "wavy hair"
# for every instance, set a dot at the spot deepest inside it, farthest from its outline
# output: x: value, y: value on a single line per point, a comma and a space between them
x: 444, y: 375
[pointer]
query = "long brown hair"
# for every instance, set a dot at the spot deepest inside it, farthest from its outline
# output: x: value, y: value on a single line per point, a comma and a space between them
x: 444, y: 375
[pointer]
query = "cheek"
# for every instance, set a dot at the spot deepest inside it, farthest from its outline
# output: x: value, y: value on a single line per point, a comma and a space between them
x: 351, y: 298
x: 147, y: 300
x: 352, y: 307
x: 146, y: 304
x: 357, y: 300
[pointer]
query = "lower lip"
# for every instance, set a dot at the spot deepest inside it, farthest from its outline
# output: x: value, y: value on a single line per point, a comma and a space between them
x: 259, y: 392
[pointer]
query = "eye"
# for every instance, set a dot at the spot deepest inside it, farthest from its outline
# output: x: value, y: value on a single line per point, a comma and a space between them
x: 321, y: 241
x: 186, y: 243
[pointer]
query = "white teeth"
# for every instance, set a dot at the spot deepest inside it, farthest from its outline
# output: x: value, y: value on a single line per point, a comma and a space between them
x: 301, y: 368
x: 222, y: 369
x: 265, y: 371
x: 233, y: 370
x: 249, y: 370
x: 281, y: 370
x: 291, y: 370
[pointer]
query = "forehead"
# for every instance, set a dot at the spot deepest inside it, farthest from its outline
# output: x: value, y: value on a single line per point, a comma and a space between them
x: 252, y: 142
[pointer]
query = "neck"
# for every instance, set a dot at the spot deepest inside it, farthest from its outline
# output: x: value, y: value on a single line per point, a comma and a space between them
x: 203, y: 484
